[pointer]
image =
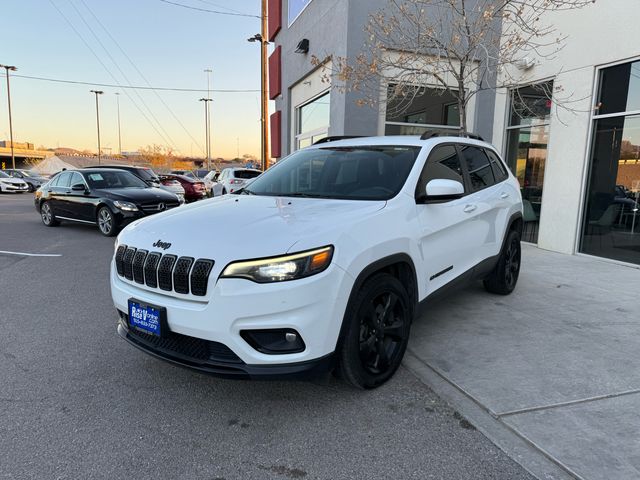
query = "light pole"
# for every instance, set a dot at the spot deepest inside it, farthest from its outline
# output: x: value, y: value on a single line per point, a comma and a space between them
x: 208, y: 71
x: 98, y: 92
x: 264, y: 108
x: 206, y: 127
x: 119, y: 135
x: 12, y: 69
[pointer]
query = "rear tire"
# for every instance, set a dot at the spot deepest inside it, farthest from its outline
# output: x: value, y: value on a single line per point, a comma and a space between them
x: 376, y: 334
x: 48, y: 218
x: 106, y: 222
x: 504, y: 277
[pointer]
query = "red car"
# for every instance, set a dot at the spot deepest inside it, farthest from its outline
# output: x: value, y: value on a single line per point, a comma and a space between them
x: 193, y: 189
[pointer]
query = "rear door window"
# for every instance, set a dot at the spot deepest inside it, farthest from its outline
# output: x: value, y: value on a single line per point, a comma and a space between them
x: 499, y: 170
x: 478, y: 167
x: 246, y: 174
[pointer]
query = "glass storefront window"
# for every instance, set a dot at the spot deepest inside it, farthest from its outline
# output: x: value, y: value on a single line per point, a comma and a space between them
x: 611, y: 224
x: 312, y: 122
x: 527, y: 140
x: 417, y: 110
x: 619, y: 89
x: 295, y: 9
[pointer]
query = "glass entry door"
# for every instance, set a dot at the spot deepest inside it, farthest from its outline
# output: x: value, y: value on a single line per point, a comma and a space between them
x: 528, y: 137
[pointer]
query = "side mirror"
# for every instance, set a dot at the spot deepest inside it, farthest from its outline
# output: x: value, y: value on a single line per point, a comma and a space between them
x: 440, y: 189
x: 78, y: 187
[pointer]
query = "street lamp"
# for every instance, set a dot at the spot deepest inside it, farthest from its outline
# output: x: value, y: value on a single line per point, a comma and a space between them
x: 208, y: 71
x: 12, y: 69
x: 206, y: 128
x: 98, y: 92
x: 261, y: 37
x: 119, y: 135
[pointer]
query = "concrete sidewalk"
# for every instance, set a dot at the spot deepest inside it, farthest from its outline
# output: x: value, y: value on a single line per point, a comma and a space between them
x: 550, y: 373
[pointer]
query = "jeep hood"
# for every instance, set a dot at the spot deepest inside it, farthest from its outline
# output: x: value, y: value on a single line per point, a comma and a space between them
x: 236, y: 227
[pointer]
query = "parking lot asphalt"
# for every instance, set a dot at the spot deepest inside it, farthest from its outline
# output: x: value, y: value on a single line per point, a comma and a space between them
x: 78, y: 402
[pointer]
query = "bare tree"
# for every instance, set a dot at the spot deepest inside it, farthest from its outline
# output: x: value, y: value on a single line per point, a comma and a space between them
x: 458, y: 46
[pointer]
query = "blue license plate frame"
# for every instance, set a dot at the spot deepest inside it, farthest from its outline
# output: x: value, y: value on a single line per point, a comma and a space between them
x: 147, y: 318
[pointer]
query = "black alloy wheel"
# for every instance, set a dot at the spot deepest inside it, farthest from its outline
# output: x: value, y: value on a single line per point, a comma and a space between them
x: 48, y: 218
x: 106, y: 222
x: 503, y: 279
x: 379, y: 322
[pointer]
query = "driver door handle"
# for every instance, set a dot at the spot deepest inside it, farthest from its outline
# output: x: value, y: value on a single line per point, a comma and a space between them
x: 504, y: 195
x: 470, y: 208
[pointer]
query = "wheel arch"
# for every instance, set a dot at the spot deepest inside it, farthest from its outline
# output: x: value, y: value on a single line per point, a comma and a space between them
x: 400, y: 265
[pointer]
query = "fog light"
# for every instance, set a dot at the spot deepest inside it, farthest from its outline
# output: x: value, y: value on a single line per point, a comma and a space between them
x: 290, y: 337
x: 274, y: 342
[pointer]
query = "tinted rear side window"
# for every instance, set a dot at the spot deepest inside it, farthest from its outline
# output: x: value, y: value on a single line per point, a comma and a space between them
x: 499, y: 170
x: 245, y: 174
x: 479, y: 167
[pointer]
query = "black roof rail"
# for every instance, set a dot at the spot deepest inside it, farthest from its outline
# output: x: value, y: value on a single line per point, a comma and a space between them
x: 449, y: 133
x: 335, y: 138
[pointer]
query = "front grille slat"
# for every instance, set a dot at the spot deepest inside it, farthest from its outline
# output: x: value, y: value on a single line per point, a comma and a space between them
x: 200, y: 276
x: 181, y: 274
x: 127, y: 261
x: 150, y: 269
x: 165, y: 272
x: 119, y: 254
x: 138, y: 266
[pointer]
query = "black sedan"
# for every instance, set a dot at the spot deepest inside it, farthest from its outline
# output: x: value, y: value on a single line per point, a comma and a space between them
x: 107, y: 198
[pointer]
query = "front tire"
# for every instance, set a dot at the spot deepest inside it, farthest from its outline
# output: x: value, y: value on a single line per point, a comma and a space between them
x: 378, y: 323
x: 504, y: 277
x: 48, y: 218
x: 106, y: 222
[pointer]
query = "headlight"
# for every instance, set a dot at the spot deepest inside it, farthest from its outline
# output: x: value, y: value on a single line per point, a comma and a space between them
x: 125, y: 206
x: 279, y: 269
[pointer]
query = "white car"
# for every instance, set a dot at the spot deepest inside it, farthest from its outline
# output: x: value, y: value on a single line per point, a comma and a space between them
x: 12, y: 185
x: 210, y: 180
x: 172, y: 186
x: 233, y: 179
x: 324, y: 259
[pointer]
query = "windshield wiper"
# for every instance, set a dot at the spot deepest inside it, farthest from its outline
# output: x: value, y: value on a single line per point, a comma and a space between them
x: 304, y: 195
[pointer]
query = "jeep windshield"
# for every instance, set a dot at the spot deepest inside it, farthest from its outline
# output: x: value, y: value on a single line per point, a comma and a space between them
x: 351, y: 173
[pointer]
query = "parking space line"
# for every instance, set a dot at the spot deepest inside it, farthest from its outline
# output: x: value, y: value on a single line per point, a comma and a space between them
x: 31, y: 254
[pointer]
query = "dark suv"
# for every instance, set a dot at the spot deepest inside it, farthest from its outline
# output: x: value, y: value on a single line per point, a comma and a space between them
x: 145, y: 174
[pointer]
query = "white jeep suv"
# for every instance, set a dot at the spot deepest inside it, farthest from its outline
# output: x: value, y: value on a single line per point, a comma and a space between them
x: 323, y: 260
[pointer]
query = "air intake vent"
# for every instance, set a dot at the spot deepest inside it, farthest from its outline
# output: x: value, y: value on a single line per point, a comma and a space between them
x: 165, y: 272
x: 127, y: 260
x: 181, y: 274
x: 138, y: 265
x: 200, y: 276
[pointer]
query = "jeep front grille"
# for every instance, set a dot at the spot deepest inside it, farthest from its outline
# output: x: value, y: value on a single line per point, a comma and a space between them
x: 167, y: 272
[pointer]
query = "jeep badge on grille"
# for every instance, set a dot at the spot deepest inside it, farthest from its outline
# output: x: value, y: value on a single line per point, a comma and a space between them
x: 162, y: 245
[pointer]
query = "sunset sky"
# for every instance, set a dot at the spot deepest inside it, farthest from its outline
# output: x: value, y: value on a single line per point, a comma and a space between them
x: 169, y: 45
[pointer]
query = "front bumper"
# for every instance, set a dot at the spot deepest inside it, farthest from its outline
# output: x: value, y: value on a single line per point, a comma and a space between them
x: 11, y: 187
x: 314, y: 307
x: 223, y: 367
